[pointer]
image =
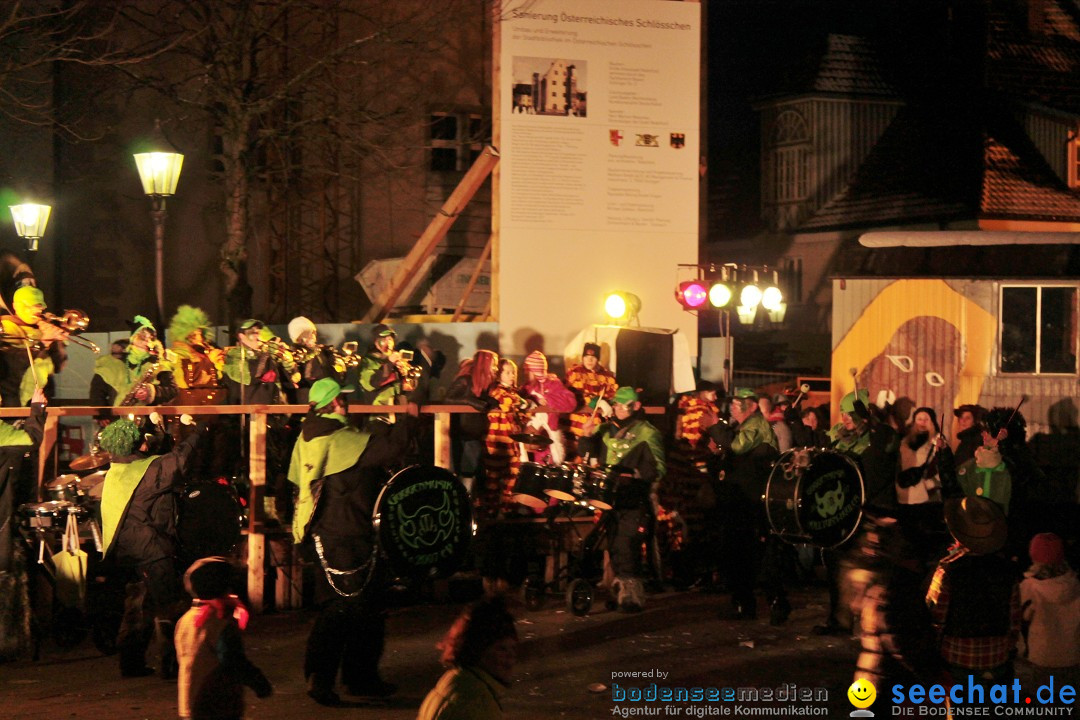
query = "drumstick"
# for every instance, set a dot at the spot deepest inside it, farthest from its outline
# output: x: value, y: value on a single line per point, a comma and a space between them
x: 1016, y: 409
x: 803, y: 389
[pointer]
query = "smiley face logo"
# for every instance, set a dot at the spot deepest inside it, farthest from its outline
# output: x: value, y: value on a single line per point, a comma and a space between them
x: 862, y: 693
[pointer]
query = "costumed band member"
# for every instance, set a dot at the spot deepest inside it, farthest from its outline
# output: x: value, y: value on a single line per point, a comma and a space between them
x: 697, y: 413
x: 471, y: 387
x: 314, y: 361
x: 547, y: 390
x: 926, y: 477
x: 634, y: 449
x: 253, y: 373
x: 384, y: 371
x: 986, y: 474
x: 197, y: 362
x: 588, y: 380
x: 24, y: 329
x: 503, y: 461
x: 14, y: 445
x: 339, y: 470
x: 143, y: 377
x: 749, y: 447
x: 968, y: 432
x: 138, y: 525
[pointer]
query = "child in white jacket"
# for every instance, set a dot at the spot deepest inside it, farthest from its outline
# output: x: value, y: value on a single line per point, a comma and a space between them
x: 1050, y: 599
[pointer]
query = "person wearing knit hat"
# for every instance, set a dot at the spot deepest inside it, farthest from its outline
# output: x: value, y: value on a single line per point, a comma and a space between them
x: 138, y: 510
x: 588, y: 380
x: 338, y: 471
x: 24, y: 329
x: 143, y: 377
x: 313, y: 361
x: 697, y: 413
x: 634, y: 449
x: 546, y: 390
x: 197, y: 363
x: 213, y: 665
x: 1050, y: 598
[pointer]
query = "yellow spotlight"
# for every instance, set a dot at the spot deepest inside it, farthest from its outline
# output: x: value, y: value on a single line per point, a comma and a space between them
x: 622, y: 307
x: 719, y: 295
x: 615, y: 306
x: 750, y: 296
x: 771, y: 298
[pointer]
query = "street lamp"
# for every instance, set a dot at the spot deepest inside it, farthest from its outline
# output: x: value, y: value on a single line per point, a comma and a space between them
x: 30, y: 221
x: 159, y: 171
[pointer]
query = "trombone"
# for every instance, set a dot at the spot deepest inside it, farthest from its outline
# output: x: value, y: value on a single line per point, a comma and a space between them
x: 72, y: 322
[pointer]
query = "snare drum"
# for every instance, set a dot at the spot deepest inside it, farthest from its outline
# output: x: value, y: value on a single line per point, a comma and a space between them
x: 560, y: 484
x: 599, y: 489
x: 52, y: 514
x: 814, y: 495
x: 423, y: 523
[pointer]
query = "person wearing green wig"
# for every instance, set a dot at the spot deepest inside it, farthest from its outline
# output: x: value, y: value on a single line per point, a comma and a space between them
x: 138, y: 527
x: 143, y: 377
x: 338, y: 471
x: 198, y: 364
x: 23, y: 329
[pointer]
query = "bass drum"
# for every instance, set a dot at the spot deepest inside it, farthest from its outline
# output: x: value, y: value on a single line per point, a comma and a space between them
x: 814, y: 495
x: 423, y: 522
x: 209, y: 520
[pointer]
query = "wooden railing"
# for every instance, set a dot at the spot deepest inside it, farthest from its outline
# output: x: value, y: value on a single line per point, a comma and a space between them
x: 262, y: 546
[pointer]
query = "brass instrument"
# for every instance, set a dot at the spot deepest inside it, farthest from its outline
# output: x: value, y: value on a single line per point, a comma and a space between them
x: 72, y: 322
x: 283, y: 355
x: 153, y: 367
x: 410, y: 374
x: 347, y: 357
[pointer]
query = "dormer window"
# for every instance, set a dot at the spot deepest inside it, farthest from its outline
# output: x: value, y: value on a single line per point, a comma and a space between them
x: 1074, y: 159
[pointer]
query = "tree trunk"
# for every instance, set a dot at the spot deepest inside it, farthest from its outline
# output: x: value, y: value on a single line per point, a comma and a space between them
x: 234, y: 253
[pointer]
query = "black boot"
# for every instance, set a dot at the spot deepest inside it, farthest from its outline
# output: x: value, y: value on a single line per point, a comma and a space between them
x: 779, y: 610
x: 321, y: 692
x: 168, y: 667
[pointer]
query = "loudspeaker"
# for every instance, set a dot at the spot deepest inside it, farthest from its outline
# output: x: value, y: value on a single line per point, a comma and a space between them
x: 644, y: 360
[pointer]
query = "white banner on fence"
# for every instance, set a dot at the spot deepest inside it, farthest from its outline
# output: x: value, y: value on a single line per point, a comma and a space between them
x: 599, y: 163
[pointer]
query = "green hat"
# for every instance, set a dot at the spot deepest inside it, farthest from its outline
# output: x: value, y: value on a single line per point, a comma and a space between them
x: 120, y: 438
x: 141, y: 322
x: 745, y: 394
x: 847, y: 405
x: 266, y: 334
x: 28, y: 295
x: 625, y: 395
x: 250, y: 323
x: 324, y: 390
x: 383, y: 330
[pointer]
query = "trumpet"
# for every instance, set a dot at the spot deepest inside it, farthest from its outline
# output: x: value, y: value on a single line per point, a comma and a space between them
x: 72, y: 322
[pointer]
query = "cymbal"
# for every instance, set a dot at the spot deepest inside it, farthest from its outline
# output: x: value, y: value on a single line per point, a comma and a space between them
x: 93, y: 461
x: 530, y: 439
x: 62, y: 482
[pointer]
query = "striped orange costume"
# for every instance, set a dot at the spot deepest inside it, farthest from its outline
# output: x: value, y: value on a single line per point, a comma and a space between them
x: 588, y: 384
x: 695, y: 416
x: 502, y: 462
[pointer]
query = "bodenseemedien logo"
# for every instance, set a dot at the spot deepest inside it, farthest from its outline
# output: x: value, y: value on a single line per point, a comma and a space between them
x: 862, y: 694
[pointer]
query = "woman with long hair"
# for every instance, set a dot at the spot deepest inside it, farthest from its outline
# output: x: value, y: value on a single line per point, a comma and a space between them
x: 503, y: 462
x: 470, y: 387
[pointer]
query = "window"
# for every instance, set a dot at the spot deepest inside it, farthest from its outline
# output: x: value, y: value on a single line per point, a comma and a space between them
x: 1038, y: 329
x: 457, y: 139
x: 786, y: 168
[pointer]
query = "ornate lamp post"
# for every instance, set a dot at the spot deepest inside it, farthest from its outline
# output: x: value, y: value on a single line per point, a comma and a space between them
x: 159, y: 171
x: 30, y: 221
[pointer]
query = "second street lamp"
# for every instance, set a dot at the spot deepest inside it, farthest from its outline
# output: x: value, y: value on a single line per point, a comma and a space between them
x: 30, y: 221
x: 159, y: 171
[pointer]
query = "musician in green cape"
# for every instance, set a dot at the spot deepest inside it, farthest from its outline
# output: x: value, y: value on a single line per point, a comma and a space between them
x: 138, y: 524
x: 143, y: 377
x: 339, y: 471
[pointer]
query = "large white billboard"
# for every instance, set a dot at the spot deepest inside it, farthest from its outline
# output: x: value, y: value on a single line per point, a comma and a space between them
x: 598, y: 177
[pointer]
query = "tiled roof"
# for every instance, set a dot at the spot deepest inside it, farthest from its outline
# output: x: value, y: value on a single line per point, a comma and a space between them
x: 1041, y: 67
x: 1029, y: 261
x: 850, y: 66
x: 930, y: 166
x: 1017, y: 183
x: 914, y: 172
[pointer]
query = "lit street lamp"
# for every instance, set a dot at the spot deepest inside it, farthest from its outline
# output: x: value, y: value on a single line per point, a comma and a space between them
x: 30, y: 221
x: 159, y: 171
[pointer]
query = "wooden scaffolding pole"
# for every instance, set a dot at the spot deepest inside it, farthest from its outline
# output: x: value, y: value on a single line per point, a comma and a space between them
x: 435, y: 232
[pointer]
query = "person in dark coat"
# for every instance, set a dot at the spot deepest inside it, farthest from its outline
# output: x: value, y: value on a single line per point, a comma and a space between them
x: 138, y: 525
x: 968, y: 431
x: 469, y: 430
x: 14, y: 444
x: 339, y: 470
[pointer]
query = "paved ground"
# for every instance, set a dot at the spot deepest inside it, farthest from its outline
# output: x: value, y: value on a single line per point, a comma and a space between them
x: 561, y: 656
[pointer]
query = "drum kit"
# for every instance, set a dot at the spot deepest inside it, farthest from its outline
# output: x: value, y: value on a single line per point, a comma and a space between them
x: 571, y: 484
x: 69, y: 495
